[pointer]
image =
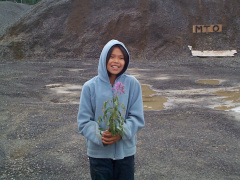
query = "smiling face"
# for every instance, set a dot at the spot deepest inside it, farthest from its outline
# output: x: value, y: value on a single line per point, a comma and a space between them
x: 115, y: 63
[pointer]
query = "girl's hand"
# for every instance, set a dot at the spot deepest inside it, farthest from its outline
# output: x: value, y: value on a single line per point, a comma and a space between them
x: 108, y: 139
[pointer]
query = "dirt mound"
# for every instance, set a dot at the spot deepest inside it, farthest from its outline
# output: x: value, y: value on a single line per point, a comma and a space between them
x: 10, y: 12
x: 151, y: 29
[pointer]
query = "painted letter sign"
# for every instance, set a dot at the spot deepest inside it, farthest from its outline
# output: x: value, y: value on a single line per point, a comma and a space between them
x: 207, y: 28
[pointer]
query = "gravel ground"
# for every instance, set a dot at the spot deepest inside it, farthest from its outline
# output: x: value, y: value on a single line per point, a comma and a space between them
x: 189, y: 139
x: 10, y: 13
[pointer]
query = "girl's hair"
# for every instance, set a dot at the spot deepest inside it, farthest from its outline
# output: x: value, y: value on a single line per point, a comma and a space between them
x: 125, y: 54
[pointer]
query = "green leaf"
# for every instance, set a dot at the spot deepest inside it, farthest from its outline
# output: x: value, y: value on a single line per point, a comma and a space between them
x: 123, y: 108
x: 120, y: 132
x: 104, y: 105
x: 104, y: 117
x: 99, y: 119
x: 122, y: 119
x: 114, y: 128
x: 119, y: 113
x: 109, y: 109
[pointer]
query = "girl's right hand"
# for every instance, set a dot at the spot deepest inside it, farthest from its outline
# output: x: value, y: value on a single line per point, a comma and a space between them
x: 108, y: 139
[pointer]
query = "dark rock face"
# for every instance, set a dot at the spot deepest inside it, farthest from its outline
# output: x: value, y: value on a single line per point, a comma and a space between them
x: 151, y: 29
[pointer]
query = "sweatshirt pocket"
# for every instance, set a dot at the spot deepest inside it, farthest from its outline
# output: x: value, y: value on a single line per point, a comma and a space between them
x: 129, y: 143
x: 91, y: 145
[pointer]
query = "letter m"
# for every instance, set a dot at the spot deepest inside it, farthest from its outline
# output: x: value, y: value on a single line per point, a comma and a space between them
x: 197, y: 29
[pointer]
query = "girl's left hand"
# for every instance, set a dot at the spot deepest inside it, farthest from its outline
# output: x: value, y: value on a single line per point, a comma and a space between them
x: 108, y: 139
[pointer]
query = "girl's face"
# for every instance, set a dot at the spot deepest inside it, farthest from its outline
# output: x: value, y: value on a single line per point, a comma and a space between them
x: 116, y: 62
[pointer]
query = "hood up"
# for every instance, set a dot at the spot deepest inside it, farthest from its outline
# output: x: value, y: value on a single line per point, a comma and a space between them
x: 102, y: 68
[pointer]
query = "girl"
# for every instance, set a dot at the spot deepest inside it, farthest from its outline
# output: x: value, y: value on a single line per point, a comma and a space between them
x: 116, y: 160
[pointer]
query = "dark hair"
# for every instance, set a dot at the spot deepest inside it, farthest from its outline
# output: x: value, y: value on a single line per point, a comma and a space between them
x: 125, y: 55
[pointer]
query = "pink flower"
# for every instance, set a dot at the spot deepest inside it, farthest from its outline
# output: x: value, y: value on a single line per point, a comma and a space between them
x: 119, y: 88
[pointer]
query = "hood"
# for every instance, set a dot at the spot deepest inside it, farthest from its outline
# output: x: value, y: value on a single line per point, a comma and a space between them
x: 102, y: 68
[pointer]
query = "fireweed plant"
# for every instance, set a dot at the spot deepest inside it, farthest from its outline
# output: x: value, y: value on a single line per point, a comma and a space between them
x: 113, y: 112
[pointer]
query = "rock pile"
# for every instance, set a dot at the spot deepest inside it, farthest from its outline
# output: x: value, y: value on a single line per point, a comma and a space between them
x: 151, y: 29
x: 10, y: 13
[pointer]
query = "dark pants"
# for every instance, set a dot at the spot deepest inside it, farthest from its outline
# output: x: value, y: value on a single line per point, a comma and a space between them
x: 108, y: 169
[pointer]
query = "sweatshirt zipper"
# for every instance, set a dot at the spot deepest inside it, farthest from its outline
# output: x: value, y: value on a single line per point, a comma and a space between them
x: 114, y: 156
x: 114, y: 151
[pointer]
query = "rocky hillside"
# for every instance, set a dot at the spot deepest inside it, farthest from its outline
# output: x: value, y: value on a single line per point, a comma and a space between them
x: 10, y: 13
x: 151, y: 29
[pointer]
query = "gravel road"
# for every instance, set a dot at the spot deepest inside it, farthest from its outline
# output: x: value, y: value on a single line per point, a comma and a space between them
x: 188, y: 139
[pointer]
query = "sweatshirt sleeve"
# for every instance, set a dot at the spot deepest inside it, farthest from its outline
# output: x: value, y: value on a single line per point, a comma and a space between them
x: 86, y: 124
x: 135, y: 117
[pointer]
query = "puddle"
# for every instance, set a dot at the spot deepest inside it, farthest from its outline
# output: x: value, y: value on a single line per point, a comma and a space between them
x: 70, y: 94
x: 162, y: 77
x: 67, y: 93
x: 231, y: 98
x: 237, y: 109
x: 65, y: 88
x: 152, y: 101
x: 75, y: 70
x: 208, y: 81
